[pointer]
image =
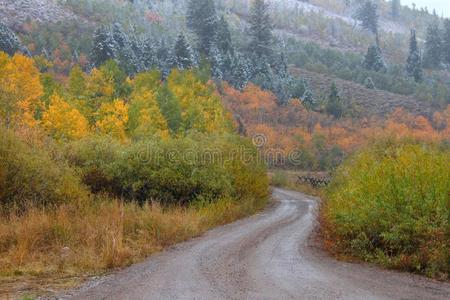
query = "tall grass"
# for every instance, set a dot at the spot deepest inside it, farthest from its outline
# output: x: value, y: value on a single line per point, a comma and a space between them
x: 104, y: 234
x: 83, y: 208
x: 390, y: 204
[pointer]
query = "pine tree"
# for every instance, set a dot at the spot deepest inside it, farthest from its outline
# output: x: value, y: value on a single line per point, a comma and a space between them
x: 240, y: 72
x: 446, y: 42
x: 119, y: 36
x: 202, y: 20
x: 148, y: 54
x: 298, y: 88
x: 373, y: 61
x: 261, y: 30
x: 182, y: 54
x: 9, y: 42
x: 433, y: 46
x: 104, y: 46
x: 308, y: 99
x: 125, y: 49
x: 395, y: 9
x: 163, y: 56
x: 334, y: 106
x: 281, y: 67
x: 368, y: 16
x: 217, y: 63
x: 368, y: 83
x: 414, y: 61
x: 223, y: 37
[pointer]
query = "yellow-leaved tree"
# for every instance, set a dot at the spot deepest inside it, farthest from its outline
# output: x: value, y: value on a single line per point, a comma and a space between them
x: 112, y: 118
x: 20, y: 90
x: 146, y: 119
x: 201, y: 107
x: 64, y: 122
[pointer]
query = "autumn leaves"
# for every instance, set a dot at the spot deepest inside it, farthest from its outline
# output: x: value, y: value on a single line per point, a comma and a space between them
x: 107, y: 102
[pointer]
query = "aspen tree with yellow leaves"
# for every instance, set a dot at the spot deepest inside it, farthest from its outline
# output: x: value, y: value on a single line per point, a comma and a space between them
x: 112, y: 119
x: 20, y: 90
x: 64, y: 122
x: 146, y: 119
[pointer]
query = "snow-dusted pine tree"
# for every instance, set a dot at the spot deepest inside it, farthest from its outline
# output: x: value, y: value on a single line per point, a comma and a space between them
x: 373, y: 60
x: 9, y: 42
x: 414, y: 61
x: 446, y: 43
x: 308, y: 99
x: 240, y: 72
x: 182, y: 54
x: 202, y: 20
x: 368, y: 83
x: 217, y: 63
x: 104, y: 46
x: 148, y: 54
x: 433, y: 46
x: 261, y: 38
x: 368, y: 16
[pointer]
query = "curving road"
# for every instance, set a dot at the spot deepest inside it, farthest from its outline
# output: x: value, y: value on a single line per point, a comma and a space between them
x: 262, y: 257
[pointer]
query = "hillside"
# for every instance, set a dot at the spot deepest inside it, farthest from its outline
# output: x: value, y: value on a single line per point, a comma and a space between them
x: 16, y: 12
x: 368, y: 102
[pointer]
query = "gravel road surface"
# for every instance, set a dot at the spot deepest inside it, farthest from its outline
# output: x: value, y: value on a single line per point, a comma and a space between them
x: 267, y: 256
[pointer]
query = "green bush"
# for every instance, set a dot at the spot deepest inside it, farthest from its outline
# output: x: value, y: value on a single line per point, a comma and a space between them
x: 204, y: 167
x: 390, y: 204
x: 279, y: 178
x: 30, y: 175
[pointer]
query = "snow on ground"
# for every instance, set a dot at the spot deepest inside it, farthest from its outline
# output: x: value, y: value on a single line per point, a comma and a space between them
x: 16, y: 12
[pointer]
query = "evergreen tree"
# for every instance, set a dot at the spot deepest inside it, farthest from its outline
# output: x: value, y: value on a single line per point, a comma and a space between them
x: 373, y: 61
x: 9, y: 43
x: 308, y: 99
x: 414, y: 62
x: 368, y: 83
x: 119, y: 36
x: 261, y: 30
x: 262, y: 73
x: 334, y: 105
x: 148, y: 54
x: 395, y: 8
x: 433, y: 46
x: 298, y: 88
x: 368, y: 16
x: 104, y: 46
x: 163, y: 56
x: 202, y: 20
x: 240, y: 72
x: 217, y: 63
x: 182, y: 54
x: 446, y: 42
x: 281, y: 67
x: 223, y: 37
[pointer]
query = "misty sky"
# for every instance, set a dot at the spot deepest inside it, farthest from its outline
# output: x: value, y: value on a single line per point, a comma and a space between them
x: 441, y: 6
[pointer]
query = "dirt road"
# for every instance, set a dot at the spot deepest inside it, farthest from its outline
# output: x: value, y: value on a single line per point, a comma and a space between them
x: 263, y: 257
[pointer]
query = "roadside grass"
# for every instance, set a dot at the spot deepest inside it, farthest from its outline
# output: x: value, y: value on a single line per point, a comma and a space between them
x: 389, y: 204
x: 75, y: 241
x: 71, y: 211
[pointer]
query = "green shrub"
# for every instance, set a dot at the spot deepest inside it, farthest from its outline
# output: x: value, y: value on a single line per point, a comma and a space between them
x: 198, y: 167
x: 390, y: 204
x: 29, y: 175
x: 279, y: 178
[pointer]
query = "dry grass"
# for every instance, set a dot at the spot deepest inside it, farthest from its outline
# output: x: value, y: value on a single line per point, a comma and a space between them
x: 57, y: 248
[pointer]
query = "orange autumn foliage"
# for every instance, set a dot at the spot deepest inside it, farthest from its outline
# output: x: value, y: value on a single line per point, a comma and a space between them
x: 293, y: 127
